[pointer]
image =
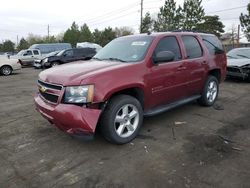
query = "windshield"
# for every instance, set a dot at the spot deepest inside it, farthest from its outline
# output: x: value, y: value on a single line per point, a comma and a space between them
x: 20, y: 53
x: 60, y: 53
x: 52, y: 53
x: 125, y: 49
x: 239, y: 53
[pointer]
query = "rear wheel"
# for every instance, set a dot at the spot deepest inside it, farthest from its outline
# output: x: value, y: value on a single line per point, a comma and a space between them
x: 210, y: 91
x: 6, y: 70
x: 122, y: 119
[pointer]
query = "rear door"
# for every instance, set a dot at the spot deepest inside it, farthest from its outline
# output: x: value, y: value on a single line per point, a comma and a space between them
x: 168, y: 80
x: 36, y: 54
x: 196, y: 64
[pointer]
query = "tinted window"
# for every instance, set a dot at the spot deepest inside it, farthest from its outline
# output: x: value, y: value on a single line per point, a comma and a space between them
x: 192, y: 47
x: 68, y: 53
x: 213, y: 44
x: 169, y: 44
x: 35, y: 52
x: 84, y: 52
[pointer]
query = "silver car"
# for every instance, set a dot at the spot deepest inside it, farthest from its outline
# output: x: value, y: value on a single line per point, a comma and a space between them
x: 238, y: 63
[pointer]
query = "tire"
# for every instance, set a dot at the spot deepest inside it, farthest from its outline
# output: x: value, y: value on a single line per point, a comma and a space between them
x: 6, y: 70
x: 53, y: 64
x: 121, y: 119
x: 210, y: 91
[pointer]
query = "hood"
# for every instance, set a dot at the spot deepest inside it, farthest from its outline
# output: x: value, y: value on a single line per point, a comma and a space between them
x: 237, y: 62
x: 74, y: 73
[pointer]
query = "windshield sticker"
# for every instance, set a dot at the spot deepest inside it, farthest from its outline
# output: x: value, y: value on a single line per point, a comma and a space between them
x: 138, y: 43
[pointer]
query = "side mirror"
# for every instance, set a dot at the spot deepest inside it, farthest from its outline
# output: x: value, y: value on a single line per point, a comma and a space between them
x: 25, y: 54
x: 164, y: 56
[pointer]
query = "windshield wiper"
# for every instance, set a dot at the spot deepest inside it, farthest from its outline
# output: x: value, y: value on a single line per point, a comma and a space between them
x: 231, y: 57
x: 97, y: 58
x: 242, y: 56
x: 115, y: 59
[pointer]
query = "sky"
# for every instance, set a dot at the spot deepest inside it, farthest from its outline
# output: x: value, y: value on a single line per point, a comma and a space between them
x: 19, y: 18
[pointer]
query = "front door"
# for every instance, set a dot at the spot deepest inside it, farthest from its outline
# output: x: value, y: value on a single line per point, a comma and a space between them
x: 168, y: 80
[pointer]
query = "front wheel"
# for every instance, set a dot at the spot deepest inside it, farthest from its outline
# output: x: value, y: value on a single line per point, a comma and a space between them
x: 210, y: 91
x: 53, y: 64
x: 121, y: 119
x: 6, y: 70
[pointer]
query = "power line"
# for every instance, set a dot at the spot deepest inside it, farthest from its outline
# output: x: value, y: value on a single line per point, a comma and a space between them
x: 114, y: 18
x: 224, y: 10
x: 110, y: 14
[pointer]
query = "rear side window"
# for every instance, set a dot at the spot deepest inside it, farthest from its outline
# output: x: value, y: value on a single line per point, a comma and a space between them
x: 169, y: 44
x: 213, y: 44
x: 35, y: 52
x: 192, y: 47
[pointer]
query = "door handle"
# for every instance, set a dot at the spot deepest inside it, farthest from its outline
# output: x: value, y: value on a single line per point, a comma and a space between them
x: 181, y: 68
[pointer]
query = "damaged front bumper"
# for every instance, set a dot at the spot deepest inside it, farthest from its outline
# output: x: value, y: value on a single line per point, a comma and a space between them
x: 75, y: 120
x: 238, y: 72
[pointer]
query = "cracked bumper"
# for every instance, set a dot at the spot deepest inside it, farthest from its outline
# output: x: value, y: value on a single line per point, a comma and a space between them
x: 75, y: 120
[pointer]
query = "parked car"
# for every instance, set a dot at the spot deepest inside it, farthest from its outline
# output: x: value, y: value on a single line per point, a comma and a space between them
x: 39, y: 62
x: 50, y: 47
x: 69, y: 55
x: 132, y: 77
x: 239, y: 63
x: 27, y: 57
x: 7, y: 66
x: 97, y: 47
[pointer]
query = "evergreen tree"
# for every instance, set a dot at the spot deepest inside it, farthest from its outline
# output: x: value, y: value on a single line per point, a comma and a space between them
x: 72, y: 35
x: 8, y: 46
x: 169, y: 18
x: 23, y: 44
x: 193, y: 14
x: 147, y: 23
x: 211, y: 24
x: 85, y: 34
x: 245, y: 23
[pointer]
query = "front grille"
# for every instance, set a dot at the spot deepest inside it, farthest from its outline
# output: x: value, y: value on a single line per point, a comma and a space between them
x: 50, y: 86
x: 49, y: 97
x: 49, y: 92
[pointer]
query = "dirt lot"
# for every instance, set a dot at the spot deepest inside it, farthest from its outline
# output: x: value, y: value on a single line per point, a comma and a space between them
x: 191, y: 146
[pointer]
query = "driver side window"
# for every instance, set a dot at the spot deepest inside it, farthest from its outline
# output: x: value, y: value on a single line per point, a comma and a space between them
x: 28, y: 53
x: 68, y: 53
x: 169, y: 44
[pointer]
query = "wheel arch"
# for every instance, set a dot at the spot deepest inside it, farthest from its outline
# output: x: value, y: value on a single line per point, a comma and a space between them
x: 216, y: 73
x: 135, y: 91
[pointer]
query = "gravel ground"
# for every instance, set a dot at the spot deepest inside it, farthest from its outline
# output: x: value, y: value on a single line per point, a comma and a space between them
x: 191, y: 146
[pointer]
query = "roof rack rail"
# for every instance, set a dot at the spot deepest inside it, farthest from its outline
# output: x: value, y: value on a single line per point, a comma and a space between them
x: 193, y: 31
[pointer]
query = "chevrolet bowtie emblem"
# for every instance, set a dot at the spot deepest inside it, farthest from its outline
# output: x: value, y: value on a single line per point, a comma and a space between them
x: 43, y: 89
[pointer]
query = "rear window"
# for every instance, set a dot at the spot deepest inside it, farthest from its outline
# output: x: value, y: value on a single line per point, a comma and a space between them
x: 213, y: 44
x: 192, y: 47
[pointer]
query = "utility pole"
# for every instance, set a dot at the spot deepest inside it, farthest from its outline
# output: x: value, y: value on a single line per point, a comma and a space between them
x: 17, y: 40
x: 238, y: 37
x: 48, y: 32
x: 141, y: 15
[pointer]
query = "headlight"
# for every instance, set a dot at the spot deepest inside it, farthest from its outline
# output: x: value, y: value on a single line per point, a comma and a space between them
x: 45, y: 60
x: 79, y: 94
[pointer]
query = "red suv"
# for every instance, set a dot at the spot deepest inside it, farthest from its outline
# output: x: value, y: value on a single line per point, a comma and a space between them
x: 131, y: 77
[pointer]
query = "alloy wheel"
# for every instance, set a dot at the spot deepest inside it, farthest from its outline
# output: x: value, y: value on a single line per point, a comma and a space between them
x: 126, y: 120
